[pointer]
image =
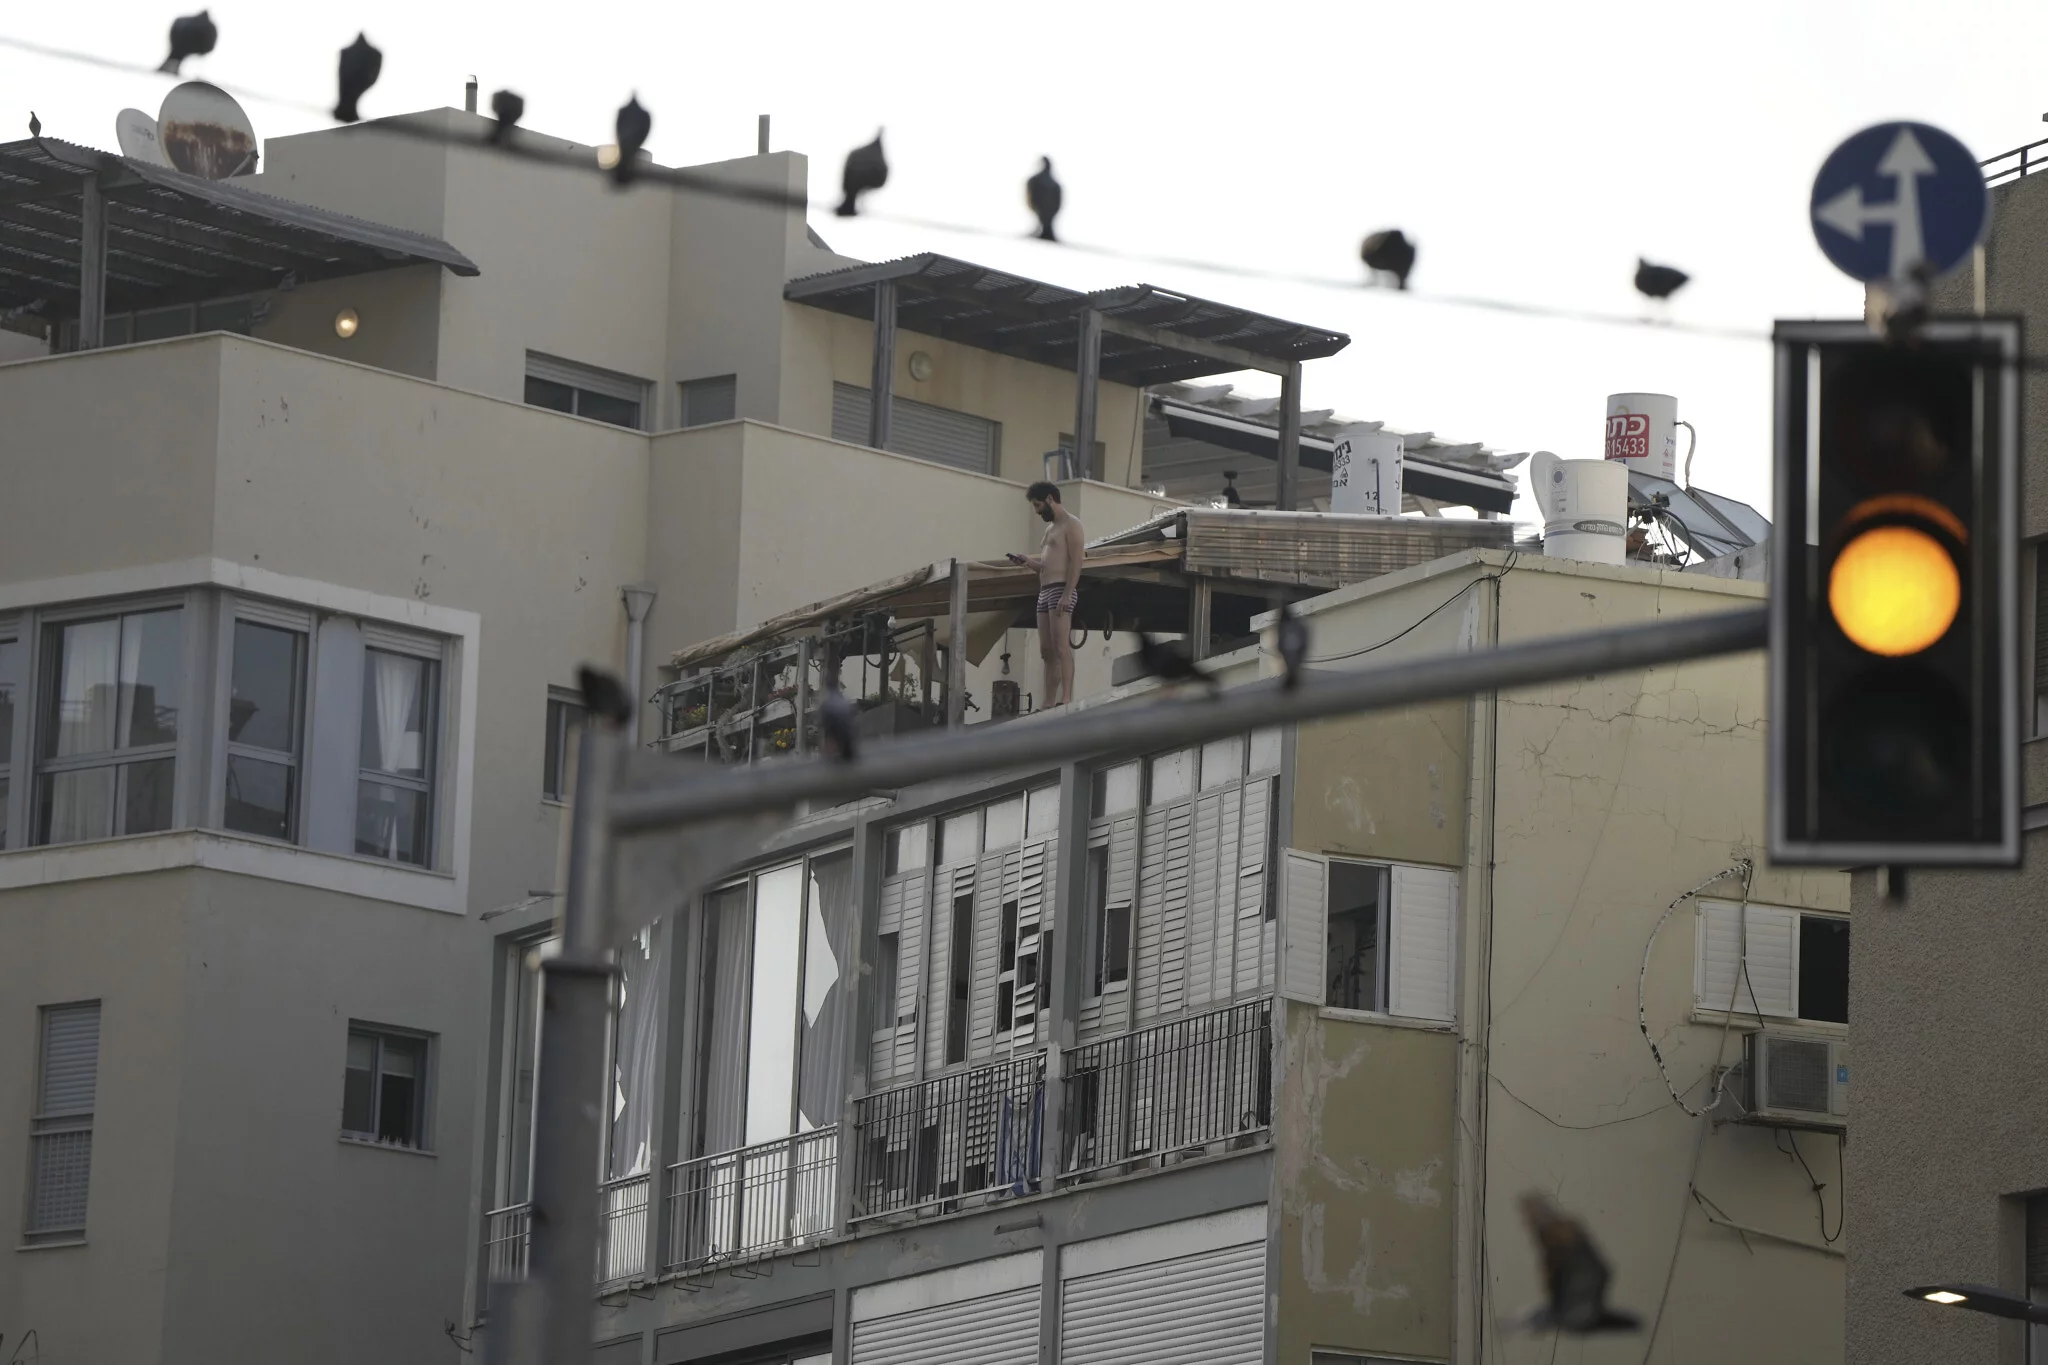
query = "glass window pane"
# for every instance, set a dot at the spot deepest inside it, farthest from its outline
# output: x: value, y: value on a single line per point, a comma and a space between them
x: 397, y: 713
x: 358, y: 1098
x: 908, y: 847
x: 1222, y: 761
x: 1044, y: 817
x: 11, y: 654
x: 152, y: 669
x: 75, y: 806
x: 260, y: 797
x: 771, y: 1046
x: 263, y: 701
x: 1265, y: 755
x: 1005, y: 826
x: 1173, y: 775
x: 397, y: 1108
x: 391, y: 822
x: 83, y: 703
x: 146, y: 794
x: 402, y: 1057
x: 362, y: 1051
x: 546, y: 393
x: 564, y: 718
x: 602, y: 407
x: 1112, y: 791
x: 960, y: 839
x: 1355, y: 951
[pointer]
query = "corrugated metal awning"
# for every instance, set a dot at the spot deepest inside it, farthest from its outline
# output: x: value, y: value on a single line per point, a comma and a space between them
x: 1307, y: 549
x: 173, y: 238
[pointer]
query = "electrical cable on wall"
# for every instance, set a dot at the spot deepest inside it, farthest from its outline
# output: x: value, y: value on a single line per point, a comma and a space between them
x: 1746, y: 868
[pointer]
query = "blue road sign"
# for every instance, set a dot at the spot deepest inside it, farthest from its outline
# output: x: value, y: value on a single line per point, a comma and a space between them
x: 1895, y: 195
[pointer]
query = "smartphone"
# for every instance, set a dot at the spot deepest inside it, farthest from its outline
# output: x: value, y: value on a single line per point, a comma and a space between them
x: 1014, y: 558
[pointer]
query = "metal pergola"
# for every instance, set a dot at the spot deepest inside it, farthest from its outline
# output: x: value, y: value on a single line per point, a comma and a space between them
x: 1133, y: 334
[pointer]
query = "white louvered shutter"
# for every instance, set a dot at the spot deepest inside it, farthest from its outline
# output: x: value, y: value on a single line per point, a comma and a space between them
x: 1422, y: 943
x: 62, y: 1131
x: 1773, y: 941
x: 1304, y: 925
x: 1202, y: 1309
x: 1203, y: 871
x: 958, y: 440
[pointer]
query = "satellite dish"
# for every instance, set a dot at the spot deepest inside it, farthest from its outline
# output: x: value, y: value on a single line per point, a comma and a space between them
x: 135, y: 132
x: 203, y: 132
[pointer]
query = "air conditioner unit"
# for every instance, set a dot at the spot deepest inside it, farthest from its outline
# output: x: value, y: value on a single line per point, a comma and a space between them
x: 1796, y: 1079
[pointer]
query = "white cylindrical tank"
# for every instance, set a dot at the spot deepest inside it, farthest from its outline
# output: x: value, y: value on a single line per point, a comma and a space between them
x: 1584, y: 505
x: 1365, y: 473
x: 1642, y: 432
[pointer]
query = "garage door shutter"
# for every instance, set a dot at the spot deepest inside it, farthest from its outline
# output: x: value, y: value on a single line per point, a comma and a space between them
x: 1205, y: 1309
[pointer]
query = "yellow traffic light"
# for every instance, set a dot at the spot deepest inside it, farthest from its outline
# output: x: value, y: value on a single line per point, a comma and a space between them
x: 1894, y: 590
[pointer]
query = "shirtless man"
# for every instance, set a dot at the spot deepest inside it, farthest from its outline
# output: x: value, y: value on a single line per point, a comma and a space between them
x: 1058, y: 562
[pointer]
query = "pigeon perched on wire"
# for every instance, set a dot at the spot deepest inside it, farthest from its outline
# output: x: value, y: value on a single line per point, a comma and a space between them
x: 1658, y: 281
x: 835, y: 717
x: 1169, y: 661
x: 1573, y: 1273
x: 507, y: 108
x: 604, y: 695
x: 1043, y: 193
x: 866, y: 169
x: 192, y: 35
x: 631, y: 129
x: 1391, y: 253
x: 1293, y: 641
x: 360, y: 66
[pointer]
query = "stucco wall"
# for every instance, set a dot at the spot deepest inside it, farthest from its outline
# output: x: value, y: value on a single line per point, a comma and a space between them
x: 398, y: 317
x: 1363, y: 1137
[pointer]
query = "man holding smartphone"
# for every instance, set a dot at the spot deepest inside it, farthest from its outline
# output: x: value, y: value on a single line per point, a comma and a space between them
x: 1058, y: 562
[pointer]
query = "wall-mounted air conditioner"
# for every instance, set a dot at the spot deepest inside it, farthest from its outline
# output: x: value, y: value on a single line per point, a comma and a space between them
x: 1796, y: 1079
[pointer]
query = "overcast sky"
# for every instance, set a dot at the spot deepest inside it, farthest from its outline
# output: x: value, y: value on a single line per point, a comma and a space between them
x: 1533, y: 152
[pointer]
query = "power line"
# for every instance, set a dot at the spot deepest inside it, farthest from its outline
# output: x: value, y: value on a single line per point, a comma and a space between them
x: 514, y: 145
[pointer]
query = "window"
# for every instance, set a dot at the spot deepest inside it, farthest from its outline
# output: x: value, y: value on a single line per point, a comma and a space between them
x: 11, y: 661
x: 394, y: 790
x: 1112, y: 924
x: 920, y: 430
x: 384, y: 1088
x: 960, y: 975
x: 1004, y: 826
x: 1170, y: 776
x: 1797, y: 962
x: 67, y: 1086
x: 1112, y: 791
x: 1044, y: 816
x: 710, y: 400
x: 565, y: 719
x: 888, y: 962
x: 1222, y: 761
x: 1006, y: 969
x: 906, y: 848
x: 266, y: 687
x: 111, y: 693
x: 960, y: 839
x: 1265, y: 751
x: 585, y: 391
x: 1357, y: 965
x: 1369, y: 936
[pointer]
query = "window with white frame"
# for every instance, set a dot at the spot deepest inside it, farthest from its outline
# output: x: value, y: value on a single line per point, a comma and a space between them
x: 1772, y: 961
x: 586, y: 391
x: 565, y: 719
x: 1373, y: 937
x: 384, y: 1086
x: 207, y: 709
x: 60, y: 1156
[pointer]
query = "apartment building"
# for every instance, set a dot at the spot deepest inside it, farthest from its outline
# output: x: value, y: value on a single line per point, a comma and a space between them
x: 1243, y: 1052
x: 320, y: 489
x: 1949, y: 1184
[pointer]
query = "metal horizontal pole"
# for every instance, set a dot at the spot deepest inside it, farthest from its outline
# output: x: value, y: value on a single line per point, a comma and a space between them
x: 1164, y: 724
x: 1167, y: 339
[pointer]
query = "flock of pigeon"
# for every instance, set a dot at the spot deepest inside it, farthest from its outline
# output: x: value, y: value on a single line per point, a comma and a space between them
x: 1386, y: 254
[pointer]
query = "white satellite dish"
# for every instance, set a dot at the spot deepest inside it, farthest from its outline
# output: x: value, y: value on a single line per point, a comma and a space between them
x: 203, y: 132
x: 135, y: 133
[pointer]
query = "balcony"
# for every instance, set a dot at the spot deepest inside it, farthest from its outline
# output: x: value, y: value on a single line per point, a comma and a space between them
x: 622, y: 1235
x: 951, y: 1142
x: 753, y: 1202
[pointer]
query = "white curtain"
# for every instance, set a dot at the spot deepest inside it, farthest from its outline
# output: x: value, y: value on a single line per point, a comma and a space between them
x: 639, y: 1018
x: 396, y: 681
x: 88, y: 715
x: 833, y: 922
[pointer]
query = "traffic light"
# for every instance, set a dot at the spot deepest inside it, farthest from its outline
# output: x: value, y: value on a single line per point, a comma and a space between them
x: 1894, y: 596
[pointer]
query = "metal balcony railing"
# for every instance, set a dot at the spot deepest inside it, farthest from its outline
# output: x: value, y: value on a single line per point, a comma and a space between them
x: 1172, y: 1089
x: 949, y: 1142
x: 622, y: 1228
x: 752, y: 1202
x: 507, y: 1238
x: 2020, y: 161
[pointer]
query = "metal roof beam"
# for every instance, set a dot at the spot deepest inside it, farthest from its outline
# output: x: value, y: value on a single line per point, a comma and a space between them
x: 1168, y: 340
x: 187, y: 225
x: 860, y: 277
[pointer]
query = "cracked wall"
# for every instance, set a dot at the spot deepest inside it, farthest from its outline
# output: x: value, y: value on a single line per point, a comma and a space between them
x: 1390, y: 785
x: 1363, y: 1148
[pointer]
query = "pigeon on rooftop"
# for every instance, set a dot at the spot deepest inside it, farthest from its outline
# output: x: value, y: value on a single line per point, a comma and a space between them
x: 1573, y: 1273
x: 192, y: 35
x: 1043, y: 193
x: 866, y: 169
x: 1168, y: 661
x: 631, y: 128
x: 35, y: 125
x: 360, y: 67
x: 1293, y: 640
x: 1659, y: 281
x: 508, y: 109
x: 1391, y: 253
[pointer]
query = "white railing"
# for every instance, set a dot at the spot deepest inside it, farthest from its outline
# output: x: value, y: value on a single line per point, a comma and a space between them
x: 508, y: 1235
x: 622, y: 1228
x: 752, y: 1202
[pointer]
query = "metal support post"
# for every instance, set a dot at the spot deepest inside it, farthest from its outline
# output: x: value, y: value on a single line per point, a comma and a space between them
x: 1199, y: 602
x: 803, y: 694
x: 568, y: 1115
x: 1069, y: 965
x: 92, y: 267
x: 1289, y: 453
x: 882, y: 380
x: 956, y: 649
x: 1087, y: 385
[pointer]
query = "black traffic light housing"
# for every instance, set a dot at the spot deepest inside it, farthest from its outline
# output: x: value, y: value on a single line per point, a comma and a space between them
x: 1894, y: 665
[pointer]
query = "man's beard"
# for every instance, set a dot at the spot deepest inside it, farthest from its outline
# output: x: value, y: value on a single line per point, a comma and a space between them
x: 1045, y: 514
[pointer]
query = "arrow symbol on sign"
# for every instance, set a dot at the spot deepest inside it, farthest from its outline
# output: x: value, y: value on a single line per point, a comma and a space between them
x: 1905, y: 162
